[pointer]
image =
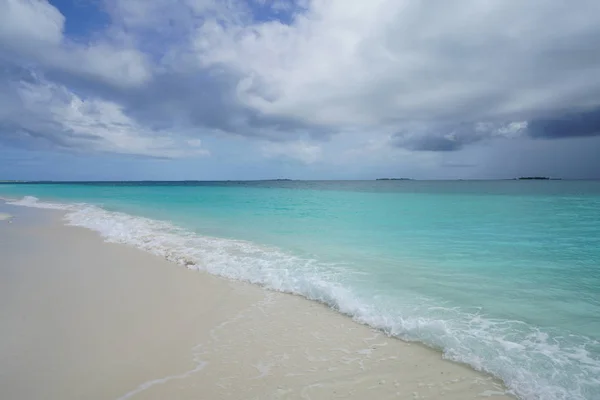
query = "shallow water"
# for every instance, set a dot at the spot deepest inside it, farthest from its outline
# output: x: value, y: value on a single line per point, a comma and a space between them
x: 503, y: 276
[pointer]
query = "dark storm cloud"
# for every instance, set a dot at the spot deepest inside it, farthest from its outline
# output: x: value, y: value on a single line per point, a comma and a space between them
x: 452, y: 138
x: 434, y: 143
x: 570, y: 125
x: 443, y: 138
x: 429, y: 143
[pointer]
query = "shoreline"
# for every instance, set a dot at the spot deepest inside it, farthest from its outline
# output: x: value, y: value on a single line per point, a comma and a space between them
x: 147, y: 330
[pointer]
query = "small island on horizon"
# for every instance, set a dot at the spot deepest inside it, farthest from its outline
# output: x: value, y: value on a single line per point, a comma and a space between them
x: 536, y: 178
x: 394, y: 179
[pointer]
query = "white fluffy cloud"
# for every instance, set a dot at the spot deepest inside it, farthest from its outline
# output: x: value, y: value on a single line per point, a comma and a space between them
x: 386, y: 62
x: 24, y: 22
x: 32, y: 32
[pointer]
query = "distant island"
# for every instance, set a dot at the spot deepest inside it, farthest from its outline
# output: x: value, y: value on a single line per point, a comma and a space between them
x: 393, y: 179
x: 534, y: 178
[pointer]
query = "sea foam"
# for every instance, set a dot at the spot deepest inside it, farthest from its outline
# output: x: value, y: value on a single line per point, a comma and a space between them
x: 534, y: 364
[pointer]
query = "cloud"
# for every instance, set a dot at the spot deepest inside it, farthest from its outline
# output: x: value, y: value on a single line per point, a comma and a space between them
x: 292, y: 75
x: 28, y: 22
x: 50, y: 114
x: 455, y: 137
x: 32, y: 32
x: 388, y: 62
x: 570, y: 125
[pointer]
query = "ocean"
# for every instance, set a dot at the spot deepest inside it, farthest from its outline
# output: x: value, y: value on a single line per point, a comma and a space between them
x: 501, y: 275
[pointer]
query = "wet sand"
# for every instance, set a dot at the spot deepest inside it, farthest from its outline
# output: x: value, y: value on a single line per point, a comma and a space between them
x: 5, y: 216
x: 84, y: 319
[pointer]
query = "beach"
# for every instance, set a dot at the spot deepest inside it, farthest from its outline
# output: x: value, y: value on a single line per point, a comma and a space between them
x: 84, y: 319
x: 5, y: 217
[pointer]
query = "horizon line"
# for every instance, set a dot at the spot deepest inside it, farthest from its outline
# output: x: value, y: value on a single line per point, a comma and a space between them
x: 8, y: 181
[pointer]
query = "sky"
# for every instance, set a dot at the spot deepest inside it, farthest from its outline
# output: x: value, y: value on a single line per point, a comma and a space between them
x: 299, y: 89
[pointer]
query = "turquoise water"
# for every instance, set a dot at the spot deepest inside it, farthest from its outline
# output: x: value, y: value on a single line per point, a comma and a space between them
x: 502, y: 275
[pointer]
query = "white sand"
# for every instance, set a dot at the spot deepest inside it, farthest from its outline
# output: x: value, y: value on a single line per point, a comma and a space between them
x: 83, y: 319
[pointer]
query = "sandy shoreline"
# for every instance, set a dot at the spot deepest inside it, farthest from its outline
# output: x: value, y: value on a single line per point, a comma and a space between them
x: 84, y: 319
